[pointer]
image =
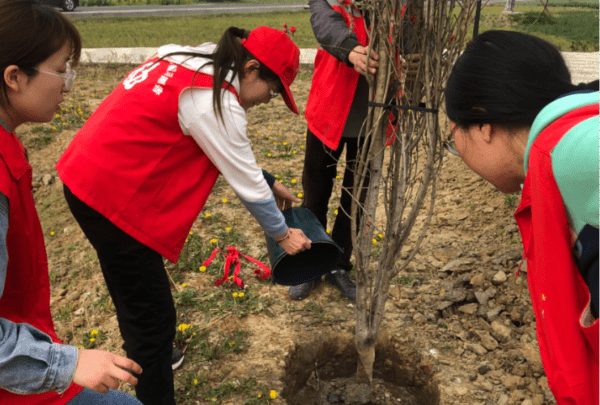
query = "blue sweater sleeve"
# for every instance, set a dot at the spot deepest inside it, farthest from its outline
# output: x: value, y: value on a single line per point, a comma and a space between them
x: 30, y: 362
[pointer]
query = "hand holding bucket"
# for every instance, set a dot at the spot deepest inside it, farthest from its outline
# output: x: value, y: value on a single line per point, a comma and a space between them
x: 307, y: 265
x: 294, y: 241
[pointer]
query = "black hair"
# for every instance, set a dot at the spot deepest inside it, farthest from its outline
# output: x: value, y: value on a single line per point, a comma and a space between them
x: 506, y: 78
x: 31, y: 32
x: 230, y: 54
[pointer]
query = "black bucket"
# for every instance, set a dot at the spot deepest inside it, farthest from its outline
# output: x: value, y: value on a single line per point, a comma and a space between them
x: 305, y: 266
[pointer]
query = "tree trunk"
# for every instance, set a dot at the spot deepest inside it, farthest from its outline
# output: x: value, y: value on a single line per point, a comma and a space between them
x: 509, y: 7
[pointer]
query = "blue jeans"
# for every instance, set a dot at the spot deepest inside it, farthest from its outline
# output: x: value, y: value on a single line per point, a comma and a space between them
x: 112, y: 397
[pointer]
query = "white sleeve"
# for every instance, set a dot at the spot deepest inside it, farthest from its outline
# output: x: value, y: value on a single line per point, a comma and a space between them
x: 227, y: 145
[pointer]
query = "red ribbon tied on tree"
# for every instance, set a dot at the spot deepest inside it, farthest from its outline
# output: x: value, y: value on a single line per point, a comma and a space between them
x: 233, y: 257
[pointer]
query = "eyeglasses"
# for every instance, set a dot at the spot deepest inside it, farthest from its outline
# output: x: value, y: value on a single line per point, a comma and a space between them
x: 449, y: 144
x: 68, y: 77
x: 273, y: 93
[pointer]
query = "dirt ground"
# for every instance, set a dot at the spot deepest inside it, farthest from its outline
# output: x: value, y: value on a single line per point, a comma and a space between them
x: 459, y: 312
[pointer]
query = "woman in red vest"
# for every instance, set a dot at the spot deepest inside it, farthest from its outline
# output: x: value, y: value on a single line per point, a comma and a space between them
x: 37, y: 50
x: 140, y: 170
x: 519, y: 122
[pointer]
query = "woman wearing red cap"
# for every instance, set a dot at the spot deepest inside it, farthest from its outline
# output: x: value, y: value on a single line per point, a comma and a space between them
x: 140, y: 170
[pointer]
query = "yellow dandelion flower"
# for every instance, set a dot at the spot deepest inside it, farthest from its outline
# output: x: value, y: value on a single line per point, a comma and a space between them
x: 191, y: 233
x: 202, y: 268
x: 231, y: 343
x: 79, y: 347
x: 234, y: 295
x: 54, y: 128
x: 294, y: 152
x: 337, y: 177
x: 300, y: 195
x: 184, y: 285
x: 228, y: 229
x: 92, y: 339
x: 195, y: 381
x: 301, y: 146
x: 106, y: 91
x: 64, y: 124
x: 260, y: 395
x: 57, y: 115
x: 335, y: 212
x: 241, y: 295
x: 305, y: 134
x: 285, y: 143
x: 328, y: 231
x: 213, y: 240
x: 293, y: 181
x: 374, y: 241
x: 186, y: 239
x: 274, y: 142
x: 269, y: 155
x: 269, y: 128
x: 380, y: 235
x: 276, y: 176
x: 257, y: 131
x: 224, y: 200
x: 93, y: 332
x: 52, y: 233
x: 207, y: 215
x: 273, y: 394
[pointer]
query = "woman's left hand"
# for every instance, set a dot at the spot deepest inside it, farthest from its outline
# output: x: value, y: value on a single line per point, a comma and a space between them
x: 283, y: 196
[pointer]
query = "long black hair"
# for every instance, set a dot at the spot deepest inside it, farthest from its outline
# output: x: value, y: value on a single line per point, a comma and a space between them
x: 230, y: 54
x: 507, y: 78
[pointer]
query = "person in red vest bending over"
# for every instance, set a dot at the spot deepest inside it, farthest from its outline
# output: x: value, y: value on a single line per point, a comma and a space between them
x: 140, y: 170
x: 519, y: 122
x: 39, y: 46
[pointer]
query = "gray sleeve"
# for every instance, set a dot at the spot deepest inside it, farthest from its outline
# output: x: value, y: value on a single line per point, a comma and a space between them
x: 331, y: 31
x: 29, y: 362
x: 268, y: 216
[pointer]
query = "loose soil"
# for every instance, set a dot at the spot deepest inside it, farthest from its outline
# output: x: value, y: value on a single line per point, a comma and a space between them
x: 458, y: 315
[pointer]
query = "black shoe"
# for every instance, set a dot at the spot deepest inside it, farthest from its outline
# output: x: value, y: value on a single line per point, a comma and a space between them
x: 301, y: 291
x: 177, y: 358
x: 341, y: 280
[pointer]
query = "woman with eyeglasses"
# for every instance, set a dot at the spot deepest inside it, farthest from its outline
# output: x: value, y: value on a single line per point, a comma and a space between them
x: 140, y: 170
x: 37, y: 50
x: 519, y: 122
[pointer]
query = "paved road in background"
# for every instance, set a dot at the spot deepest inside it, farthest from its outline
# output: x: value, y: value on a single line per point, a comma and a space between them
x: 125, y: 11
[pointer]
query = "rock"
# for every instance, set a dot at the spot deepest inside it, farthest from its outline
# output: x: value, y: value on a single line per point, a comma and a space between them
x: 47, y: 179
x: 489, y: 210
x: 481, y: 297
x: 483, y: 369
x: 500, y: 332
x: 493, y: 313
x: 78, y: 322
x: 511, y: 382
x: 499, y: 278
x: 357, y: 394
x: 486, y: 340
x: 460, y: 391
x: 478, y: 280
x: 531, y: 353
x: 476, y: 348
x: 447, y: 254
x: 456, y: 295
x: 61, y: 272
x: 468, y: 309
x: 538, y: 399
x: 458, y: 264
x: 61, y: 292
x: 419, y: 319
x: 74, y: 296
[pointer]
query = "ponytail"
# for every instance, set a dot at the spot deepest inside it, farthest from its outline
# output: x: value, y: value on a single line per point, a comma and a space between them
x: 230, y: 54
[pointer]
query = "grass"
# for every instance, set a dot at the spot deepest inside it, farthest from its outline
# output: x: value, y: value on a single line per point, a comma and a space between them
x: 189, y: 30
x: 575, y: 28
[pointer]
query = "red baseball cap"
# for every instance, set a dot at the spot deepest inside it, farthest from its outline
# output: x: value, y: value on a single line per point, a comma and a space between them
x: 277, y: 51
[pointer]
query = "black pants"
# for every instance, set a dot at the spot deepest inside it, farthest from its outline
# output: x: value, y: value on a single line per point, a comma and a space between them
x: 320, y: 169
x: 139, y: 287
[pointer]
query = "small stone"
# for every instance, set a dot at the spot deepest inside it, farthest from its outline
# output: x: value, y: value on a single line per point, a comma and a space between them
x: 538, y: 399
x: 460, y: 391
x: 511, y: 382
x: 74, y: 296
x: 47, y: 179
x: 481, y: 297
x: 503, y: 400
x: 493, y: 313
x: 61, y: 272
x: 500, y: 332
x: 476, y: 348
x: 468, y: 309
x: 478, y: 280
x: 489, y: 210
x: 499, y: 278
x: 419, y: 319
x: 61, y: 292
x: 483, y: 369
x: 78, y: 322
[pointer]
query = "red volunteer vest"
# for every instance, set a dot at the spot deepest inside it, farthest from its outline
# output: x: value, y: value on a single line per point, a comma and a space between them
x: 333, y: 86
x: 559, y: 295
x: 132, y: 163
x: 26, y: 296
